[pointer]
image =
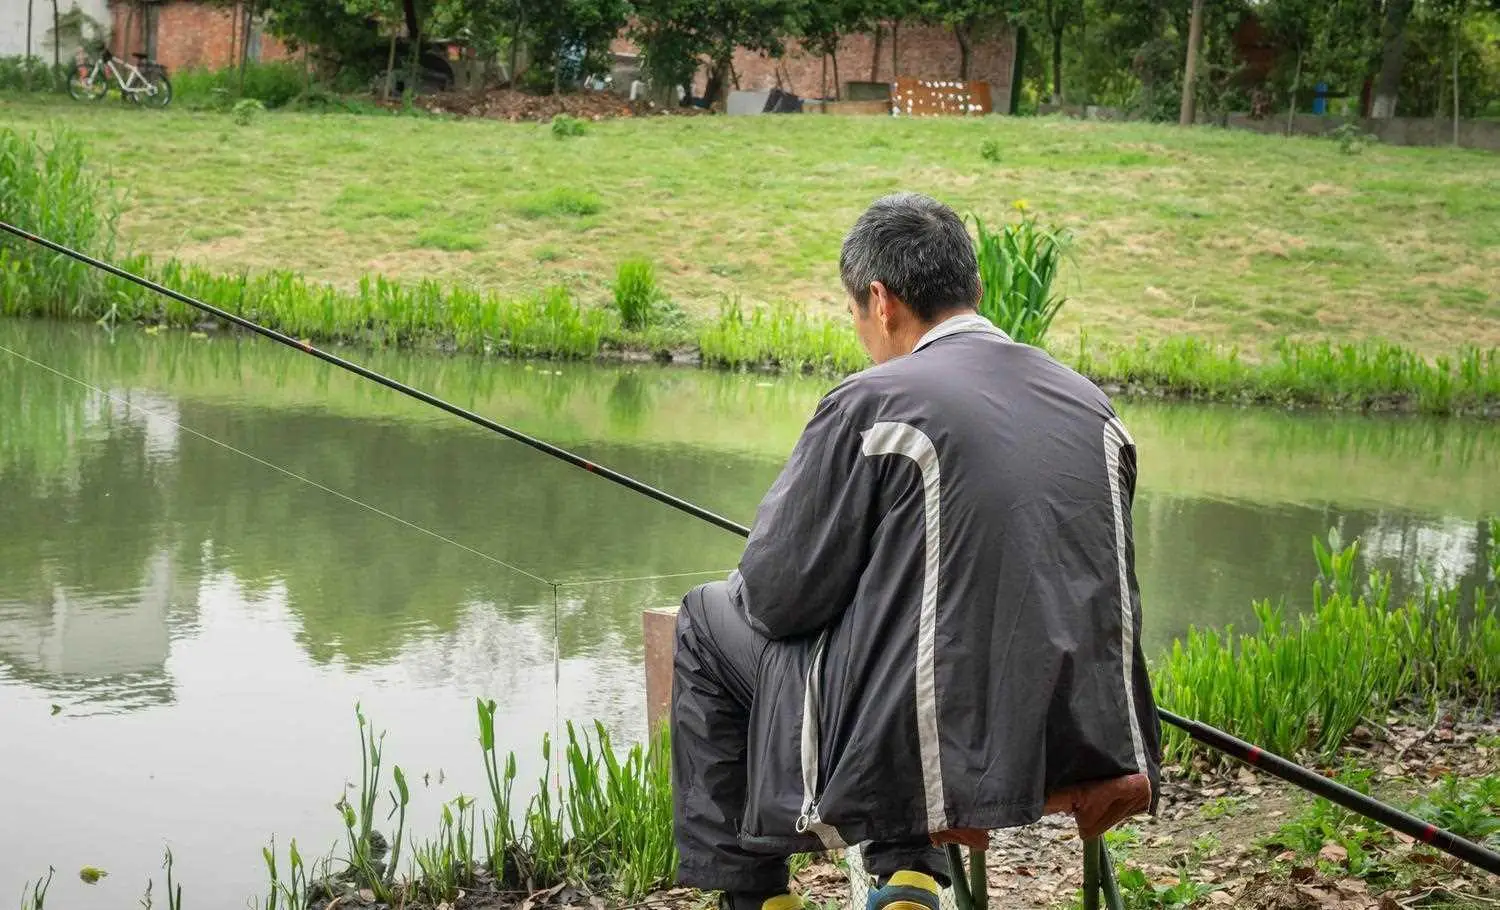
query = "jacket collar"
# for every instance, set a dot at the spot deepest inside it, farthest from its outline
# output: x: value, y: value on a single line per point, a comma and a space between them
x: 954, y: 325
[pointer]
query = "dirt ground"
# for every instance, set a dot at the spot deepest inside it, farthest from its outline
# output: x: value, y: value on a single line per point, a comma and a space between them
x: 514, y: 106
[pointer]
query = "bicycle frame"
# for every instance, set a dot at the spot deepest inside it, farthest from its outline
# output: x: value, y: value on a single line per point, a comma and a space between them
x: 136, y: 84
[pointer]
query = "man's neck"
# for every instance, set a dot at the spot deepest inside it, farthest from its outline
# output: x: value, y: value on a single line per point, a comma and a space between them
x: 921, y: 330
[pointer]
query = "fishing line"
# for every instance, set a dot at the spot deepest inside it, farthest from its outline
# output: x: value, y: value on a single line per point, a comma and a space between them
x: 606, y: 581
x: 279, y: 469
x: 1215, y: 739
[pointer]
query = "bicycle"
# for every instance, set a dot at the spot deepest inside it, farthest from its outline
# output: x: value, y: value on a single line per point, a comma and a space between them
x: 144, y: 84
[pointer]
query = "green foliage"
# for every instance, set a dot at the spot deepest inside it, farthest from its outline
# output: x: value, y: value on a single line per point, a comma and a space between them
x: 46, y: 188
x: 781, y: 336
x: 31, y: 74
x: 1323, y: 824
x: 636, y: 293
x: 246, y: 110
x: 989, y: 150
x: 565, y: 126
x: 560, y: 201
x: 1304, y: 685
x: 34, y: 894
x: 274, y: 85
x: 1139, y: 892
x: 1322, y: 373
x: 675, y: 33
x: 1018, y: 266
x: 1469, y: 808
x: 1351, y: 139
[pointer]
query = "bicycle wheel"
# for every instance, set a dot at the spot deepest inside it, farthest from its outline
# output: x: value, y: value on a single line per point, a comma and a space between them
x: 160, y: 94
x: 84, y: 88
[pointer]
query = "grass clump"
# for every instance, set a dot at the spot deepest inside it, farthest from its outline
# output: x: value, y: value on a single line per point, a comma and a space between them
x: 1018, y: 266
x: 274, y: 85
x: 1302, y: 685
x: 782, y: 336
x: 566, y: 126
x: 246, y: 110
x: 34, y: 894
x: 636, y: 292
x: 989, y: 150
x: 45, y: 188
x: 560, y: 201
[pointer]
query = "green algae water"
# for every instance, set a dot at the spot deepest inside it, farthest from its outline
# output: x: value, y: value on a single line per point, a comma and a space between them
x: 211, y: 548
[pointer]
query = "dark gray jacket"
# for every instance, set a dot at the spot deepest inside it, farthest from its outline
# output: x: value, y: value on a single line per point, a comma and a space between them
x: 948, y: 553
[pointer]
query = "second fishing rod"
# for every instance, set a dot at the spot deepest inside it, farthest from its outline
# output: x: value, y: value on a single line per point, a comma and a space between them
x: 1209, y: 736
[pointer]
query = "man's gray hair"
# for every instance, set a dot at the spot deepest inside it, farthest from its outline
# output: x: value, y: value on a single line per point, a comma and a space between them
x: 918, y: 248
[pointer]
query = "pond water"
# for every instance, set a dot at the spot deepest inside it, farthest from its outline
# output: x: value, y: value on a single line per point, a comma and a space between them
x: 211, y: 548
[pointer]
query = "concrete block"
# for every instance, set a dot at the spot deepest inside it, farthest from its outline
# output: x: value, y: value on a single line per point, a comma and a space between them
x: 745, y: 103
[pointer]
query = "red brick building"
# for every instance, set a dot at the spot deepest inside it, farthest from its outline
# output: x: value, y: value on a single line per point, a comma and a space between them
x: 187, y: 34
x: 922, y: 52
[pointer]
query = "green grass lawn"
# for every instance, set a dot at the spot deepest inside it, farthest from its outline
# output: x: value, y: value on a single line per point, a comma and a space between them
x: 1228, y: 236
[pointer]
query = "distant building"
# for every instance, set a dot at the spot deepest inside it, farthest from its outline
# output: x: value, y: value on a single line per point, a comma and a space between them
x: 187, y: 34
x: 13, y: 33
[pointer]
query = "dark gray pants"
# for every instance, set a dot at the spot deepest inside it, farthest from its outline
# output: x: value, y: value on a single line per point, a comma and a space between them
x: 714, y: 681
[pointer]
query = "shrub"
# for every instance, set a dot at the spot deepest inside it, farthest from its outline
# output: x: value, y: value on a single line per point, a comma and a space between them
x: 272, y: 84
x: 636, y: 292
x: 1018, y: 265
x: 989, y: 150
x: 561, y: 200
x: 565, y: 126
x: 246, y: 109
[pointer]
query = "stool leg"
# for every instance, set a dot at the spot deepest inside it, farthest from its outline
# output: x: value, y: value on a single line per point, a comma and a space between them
x: 979, y: 880
x: 1091, y: 874
x: 961, y: 894
x: 1111, y: 886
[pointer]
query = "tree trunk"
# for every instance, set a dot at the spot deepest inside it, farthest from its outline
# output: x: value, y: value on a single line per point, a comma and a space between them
x: 961, y: 32
x: 234, y: 33
x: 57, y: 41
x: 28, y: 33
x: 515, y: 43
x: 1057, y: 38
x: 875, y: 57
x: 1457, y: 32
x: 838, y: 92
x: 1393, y: 38
x: 895, y: 58
x: 1291, y: 108
x: 390, y: 69
x: 1189, y: 110
x: 823, y: 83
x: 245, y: 44
x: 413, y: 25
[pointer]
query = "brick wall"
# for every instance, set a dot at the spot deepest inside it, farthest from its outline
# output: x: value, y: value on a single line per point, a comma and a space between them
x: 192, y: 35
x: 924, y: 52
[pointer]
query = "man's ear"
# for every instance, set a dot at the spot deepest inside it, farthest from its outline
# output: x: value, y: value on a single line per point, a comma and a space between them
x: 880, y: 303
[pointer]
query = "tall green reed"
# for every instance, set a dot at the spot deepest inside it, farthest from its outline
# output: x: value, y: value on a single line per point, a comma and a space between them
x: 34, y: 894
x: 1302, y: 685
x: 46, y: 188
x: 1018, y: 266
x: 499, y: 828
x: 781, y: 336
x: 636, y: 292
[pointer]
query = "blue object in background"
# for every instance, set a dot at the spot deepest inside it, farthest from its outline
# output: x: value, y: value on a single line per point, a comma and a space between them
x: 1320, y: 99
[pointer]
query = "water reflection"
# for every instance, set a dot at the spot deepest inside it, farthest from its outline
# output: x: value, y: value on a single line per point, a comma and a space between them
x: 206, y: 622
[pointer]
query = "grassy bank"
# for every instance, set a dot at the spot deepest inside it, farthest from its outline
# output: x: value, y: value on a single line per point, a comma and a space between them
x: 597, y: 820
x: 50, y: 189
x: 1231, y: 237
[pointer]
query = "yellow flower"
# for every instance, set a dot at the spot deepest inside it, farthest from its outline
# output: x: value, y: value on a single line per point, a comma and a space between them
x: 1019, y: 205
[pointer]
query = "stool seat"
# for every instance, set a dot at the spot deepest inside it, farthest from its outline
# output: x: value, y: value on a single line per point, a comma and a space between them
x: 1096, y: 806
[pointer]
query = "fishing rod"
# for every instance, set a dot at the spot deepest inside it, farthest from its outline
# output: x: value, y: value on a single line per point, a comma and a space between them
x: 1215, y: 739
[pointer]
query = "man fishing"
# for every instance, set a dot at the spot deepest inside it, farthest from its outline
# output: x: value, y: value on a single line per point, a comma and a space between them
x: 935, y: 625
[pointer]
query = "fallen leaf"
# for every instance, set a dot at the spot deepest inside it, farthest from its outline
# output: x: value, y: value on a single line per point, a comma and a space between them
x: 1333, y: 853
x: 1352, y: 885
x: 91, y: 875
x: 1285, y: 856
x: 366, y: 896
x: 1220, y: 897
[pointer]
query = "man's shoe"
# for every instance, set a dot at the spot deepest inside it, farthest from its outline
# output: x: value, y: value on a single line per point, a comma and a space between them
x: 759, y: 902
x: 906, y: 891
